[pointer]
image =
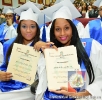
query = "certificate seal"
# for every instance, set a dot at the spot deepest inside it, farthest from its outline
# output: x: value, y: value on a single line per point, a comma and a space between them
x: 76, y: 80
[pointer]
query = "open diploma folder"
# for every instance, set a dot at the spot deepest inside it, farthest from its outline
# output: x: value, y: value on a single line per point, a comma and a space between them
x: 23, y: 63
x: 58, y: 63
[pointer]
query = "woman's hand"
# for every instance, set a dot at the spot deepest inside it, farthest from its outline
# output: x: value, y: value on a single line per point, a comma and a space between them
x: 38, y: 45
x: 5, y: 76
x: 43, y: 45
x: 49, y: 45
x: 65, y: 92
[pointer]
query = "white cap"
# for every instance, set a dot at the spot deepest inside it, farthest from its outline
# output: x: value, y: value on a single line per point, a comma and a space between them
x: 63, y: 12
x: 98, y: 3
x: 7, y: 10
x: 39, y: 6
x: 29, y: 15
x: 68, y: 12
x: 25, y: 12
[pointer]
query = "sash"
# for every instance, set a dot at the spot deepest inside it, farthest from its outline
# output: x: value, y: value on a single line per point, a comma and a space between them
x: 53, y: 96
x: 95, y: 30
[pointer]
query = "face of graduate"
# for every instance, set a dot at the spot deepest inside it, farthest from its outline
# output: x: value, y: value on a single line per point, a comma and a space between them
x: 100, y: 11
x: 28, y: 30
x: 63, y: 31
x: 9, y: 16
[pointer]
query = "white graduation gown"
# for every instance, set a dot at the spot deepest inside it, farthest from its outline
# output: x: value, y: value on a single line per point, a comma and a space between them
x: 95, y: 89
x: 25, y: 93
x: 1, y: 53
x: 10, y: 32
x: 81, y: 31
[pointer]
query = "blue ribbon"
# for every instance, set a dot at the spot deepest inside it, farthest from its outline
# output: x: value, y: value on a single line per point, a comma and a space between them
x: 44, y: 31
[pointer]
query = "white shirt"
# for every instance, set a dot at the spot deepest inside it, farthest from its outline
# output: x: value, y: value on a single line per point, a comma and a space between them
x: 10, y: 31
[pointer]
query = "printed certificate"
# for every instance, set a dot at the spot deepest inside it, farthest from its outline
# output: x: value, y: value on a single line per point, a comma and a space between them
x: 23, y: 63
x: 58, y: 63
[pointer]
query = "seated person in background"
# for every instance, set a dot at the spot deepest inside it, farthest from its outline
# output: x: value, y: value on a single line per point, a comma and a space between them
x: 64, y: 33
x: 8, y: 29
x: 28, y: 34
x: 2, y: 17
x: 93, y: 13
x: 88, y: 10
x: 94, y: 27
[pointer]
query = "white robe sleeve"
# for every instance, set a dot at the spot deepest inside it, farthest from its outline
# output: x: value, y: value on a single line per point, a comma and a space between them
x: 1, y: 53
x: 81, y: 31
x: 11, y: 33
x: 96, y: 59
x: 42, y: 85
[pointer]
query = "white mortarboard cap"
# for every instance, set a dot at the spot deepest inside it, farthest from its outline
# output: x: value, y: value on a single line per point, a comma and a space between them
x: 35, y: 10
x: 98, y: 3
x: 50, y: 11
x: 29, y: 15
x: 39, y: 6
x: 7, y: 10
x: 63, y: 12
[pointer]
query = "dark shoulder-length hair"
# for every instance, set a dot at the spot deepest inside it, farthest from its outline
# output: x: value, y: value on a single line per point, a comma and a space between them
x: 81, y: 53
x: 19, y: 39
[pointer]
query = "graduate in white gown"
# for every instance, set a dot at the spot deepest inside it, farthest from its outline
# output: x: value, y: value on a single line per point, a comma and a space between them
x: 94, y: 27
x: 8, y: 28
x: 78, y: 24
x: 63, y: 33
x: 28, y: 34
x: 74, y: 13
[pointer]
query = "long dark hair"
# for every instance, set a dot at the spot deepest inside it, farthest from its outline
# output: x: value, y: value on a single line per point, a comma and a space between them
x: 19, y: 39
x: 81, y: 53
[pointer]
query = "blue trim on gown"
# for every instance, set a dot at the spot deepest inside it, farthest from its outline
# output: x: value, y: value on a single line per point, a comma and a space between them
x: 95, y: 30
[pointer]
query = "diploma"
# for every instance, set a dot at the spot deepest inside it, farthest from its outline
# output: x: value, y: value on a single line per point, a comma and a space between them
x: 58, y: 63
x: 23, y: 63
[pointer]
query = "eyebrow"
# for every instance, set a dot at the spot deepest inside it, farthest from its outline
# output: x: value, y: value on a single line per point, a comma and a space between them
x: 64, y: 25
x: 26, y: 24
